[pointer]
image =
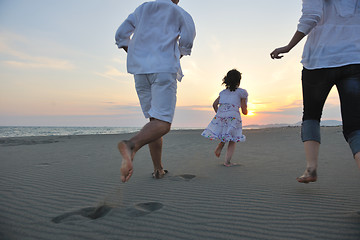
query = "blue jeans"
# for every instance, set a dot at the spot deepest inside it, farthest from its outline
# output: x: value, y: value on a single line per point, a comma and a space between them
x: 316, y: 85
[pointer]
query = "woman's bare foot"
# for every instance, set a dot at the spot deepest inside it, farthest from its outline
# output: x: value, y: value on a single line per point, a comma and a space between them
x: 219, y: 148
x: 126, y: 151
x: 309, y: 175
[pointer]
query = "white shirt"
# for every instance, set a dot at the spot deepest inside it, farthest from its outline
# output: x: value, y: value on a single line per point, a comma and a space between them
x: 233, y: 97
x: 333, y: 29
x: 157, y: 33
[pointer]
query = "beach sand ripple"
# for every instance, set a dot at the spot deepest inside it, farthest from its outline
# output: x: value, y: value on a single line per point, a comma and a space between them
x: 70, y: 188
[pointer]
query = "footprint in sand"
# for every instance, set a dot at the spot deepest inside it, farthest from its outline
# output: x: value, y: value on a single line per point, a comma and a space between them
x: 186, y: 177
x: 89, y: 212
x: 43, y: 164
x: 142, y: 209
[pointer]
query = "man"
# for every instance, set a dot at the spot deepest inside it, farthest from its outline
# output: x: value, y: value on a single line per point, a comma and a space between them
x: 155, y: 36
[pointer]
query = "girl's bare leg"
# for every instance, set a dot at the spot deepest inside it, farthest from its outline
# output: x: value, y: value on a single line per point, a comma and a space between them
x: 229, y: 153
x: 311, y: 154
x: 219, y: 148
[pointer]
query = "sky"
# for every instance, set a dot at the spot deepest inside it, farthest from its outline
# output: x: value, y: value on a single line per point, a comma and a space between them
x: 59, y: 65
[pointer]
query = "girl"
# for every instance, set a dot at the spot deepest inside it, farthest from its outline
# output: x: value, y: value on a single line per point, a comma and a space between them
x: 227, y: 125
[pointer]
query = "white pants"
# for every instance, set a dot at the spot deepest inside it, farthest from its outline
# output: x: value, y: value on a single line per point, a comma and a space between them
x: 157, y: 95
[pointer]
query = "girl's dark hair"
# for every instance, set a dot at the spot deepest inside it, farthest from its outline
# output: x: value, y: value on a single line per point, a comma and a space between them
x: 232, y: 80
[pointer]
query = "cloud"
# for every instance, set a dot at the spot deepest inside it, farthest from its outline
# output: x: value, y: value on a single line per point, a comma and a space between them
x: 190, y: 67
x: 135, y: 120
x: 21, y: 59
x: 293, y: 108
x: 196, y: 108
x: 125, y: 109
x: 113, y: 73
x: 40, y: 62
x: 258, y: 102
x: 294, y: 104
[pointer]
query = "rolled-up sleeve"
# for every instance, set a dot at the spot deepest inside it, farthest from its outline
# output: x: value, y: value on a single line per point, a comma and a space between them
x: 187, y: 34
x: 312, y: 11
x: 124, y: 32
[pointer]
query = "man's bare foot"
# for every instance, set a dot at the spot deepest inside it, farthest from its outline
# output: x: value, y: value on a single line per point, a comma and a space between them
x: 158, y: 174
x: 126, y: 151
x: 309, y: 175
x: 219, y: 148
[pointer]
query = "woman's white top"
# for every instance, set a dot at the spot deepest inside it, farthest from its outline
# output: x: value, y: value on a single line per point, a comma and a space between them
x: 333, y: 29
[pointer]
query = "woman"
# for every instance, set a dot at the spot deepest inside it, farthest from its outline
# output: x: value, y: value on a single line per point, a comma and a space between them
x: 331, y: 57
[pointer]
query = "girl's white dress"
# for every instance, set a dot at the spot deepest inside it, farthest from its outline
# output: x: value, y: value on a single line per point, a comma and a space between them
x: 227, y: 124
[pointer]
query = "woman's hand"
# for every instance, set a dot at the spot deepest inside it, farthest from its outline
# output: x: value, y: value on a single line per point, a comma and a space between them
x: 276, y: 53
x: 293, y: 42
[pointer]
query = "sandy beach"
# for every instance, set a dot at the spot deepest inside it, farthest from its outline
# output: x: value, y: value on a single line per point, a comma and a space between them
x: 68, y: 187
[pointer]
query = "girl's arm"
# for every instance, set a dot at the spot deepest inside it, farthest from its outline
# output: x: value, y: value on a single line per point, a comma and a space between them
x: 216, y: 104
x: 244, y: 106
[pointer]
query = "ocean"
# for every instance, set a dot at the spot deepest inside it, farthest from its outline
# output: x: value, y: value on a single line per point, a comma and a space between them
x: 6, y: 132
x: 17, y: 131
